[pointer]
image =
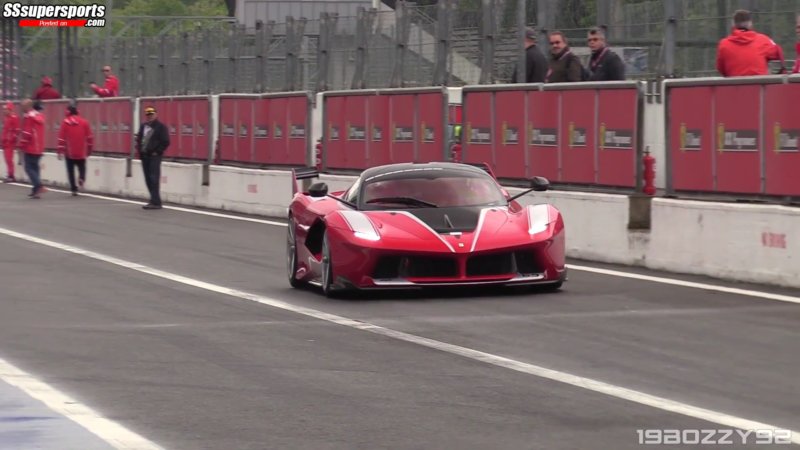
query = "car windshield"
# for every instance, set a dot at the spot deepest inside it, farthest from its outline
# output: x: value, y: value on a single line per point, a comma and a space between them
x: 451, y: 190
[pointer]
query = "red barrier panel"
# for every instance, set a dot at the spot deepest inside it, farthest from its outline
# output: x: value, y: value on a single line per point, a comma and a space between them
x: 298, y: 129
x: 54, y: 112
x: 262, y: 134
x: 228, y: 129
x: 738, y: 157
x: 478, y: 137
x: 380, y: 130
x: 119, y: 139
x: 691, y: 134
x: 578, y: 137
x: 616, y: 159
x: 405, y: 128
x: 432, y: 129
x: 509, y: 132
x: 782, y: 152
x: 544, y: 138
x: 368, y: 128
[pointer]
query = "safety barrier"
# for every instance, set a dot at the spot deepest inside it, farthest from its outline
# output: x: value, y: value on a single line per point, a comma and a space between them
x: 188, y: 119
x: 367, y: 128
x: 111, y: 120
x: 270, y: 129
x: 571, y: 133
x: 734, y: 136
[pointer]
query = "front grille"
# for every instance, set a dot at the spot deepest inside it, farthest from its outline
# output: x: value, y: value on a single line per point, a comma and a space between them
x: 415, y: 267
x: 527, y: 263
x: 491, y: 264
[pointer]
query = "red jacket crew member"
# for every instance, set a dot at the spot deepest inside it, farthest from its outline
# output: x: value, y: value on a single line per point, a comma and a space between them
x: 746, y: 52
x: 111, y: 88
x: 46, y: 91
x: 31, y: 141
x: 10, y: 132
x: 76, y: 141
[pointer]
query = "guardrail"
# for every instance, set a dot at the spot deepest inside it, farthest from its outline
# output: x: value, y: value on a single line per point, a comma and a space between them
x: 734, y: 136
x: 371, y: 127
x: 571, y: 133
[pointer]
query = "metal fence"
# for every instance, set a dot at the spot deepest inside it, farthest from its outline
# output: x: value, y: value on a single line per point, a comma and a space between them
x: 450, y: 43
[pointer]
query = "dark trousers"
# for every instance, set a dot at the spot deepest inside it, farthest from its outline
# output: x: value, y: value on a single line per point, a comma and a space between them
x: 81, y: 165
x: 32, y: 169
x: 151, y: 165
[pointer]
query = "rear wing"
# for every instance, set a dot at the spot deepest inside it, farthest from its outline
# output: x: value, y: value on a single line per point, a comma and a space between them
x: 485, y: 166
x: 302, y: 174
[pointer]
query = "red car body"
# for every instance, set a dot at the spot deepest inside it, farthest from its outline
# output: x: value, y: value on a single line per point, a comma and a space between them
x: 460, y: 227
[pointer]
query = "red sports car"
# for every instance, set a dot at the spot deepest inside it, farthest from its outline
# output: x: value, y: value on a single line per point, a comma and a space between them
x: 421, y: 225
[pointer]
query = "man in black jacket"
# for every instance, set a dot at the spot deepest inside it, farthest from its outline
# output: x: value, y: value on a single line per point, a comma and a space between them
x: 535, y: 61
x: 152, y: 141
x: 604, y: 65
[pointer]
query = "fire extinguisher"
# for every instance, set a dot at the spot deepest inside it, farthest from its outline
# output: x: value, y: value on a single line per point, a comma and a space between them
x: 318, y: 155
x: 649, y: 173
x: 455, y: 152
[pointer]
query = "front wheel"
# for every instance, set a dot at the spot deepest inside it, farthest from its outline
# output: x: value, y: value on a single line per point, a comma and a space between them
x: 327, y: 267
x: 291, y: 255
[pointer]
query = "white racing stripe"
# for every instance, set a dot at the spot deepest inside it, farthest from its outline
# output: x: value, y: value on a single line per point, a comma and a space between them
x: 111, y: 432
x: 488, y: 358
x: 613, y: 273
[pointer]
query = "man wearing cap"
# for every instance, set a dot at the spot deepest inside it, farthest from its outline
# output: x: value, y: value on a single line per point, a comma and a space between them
x: 152, y: 141
x: 46, y: 91
x: 10, y: 131
x: 31, y: 141
x: 76, y: 141
x: 111, y: 87
x: 535, y: 61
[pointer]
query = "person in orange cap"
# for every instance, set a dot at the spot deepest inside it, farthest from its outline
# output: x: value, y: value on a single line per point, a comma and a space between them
x: 10, y: 131
x: 46, y: 91
x: 152, y: 141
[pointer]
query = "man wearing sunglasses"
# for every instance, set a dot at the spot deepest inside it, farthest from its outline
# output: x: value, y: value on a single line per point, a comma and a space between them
x: 604, y: 64
x: 152, y: 141
x: 111, y: 87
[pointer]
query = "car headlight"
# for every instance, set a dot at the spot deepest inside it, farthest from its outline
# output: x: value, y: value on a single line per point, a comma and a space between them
x: 538, y: 218
x: 362, y: 227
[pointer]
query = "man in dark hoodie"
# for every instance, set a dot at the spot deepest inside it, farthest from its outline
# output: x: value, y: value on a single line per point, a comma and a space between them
x: 564, y: 65
x: 745, y: 52
x: 152, y: 141
x: 46, y: 91
x: 604, y: 64
x: 535, y: 62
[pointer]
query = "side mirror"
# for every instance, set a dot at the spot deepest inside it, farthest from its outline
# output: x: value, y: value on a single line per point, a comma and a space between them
x: 318, y: 190
x: 540, y: 184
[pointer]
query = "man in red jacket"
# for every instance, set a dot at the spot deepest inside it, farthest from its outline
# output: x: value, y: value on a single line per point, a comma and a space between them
x: 46, y: 91
x: 797, y: 46
x: 111, y: 88
x: 746, y: 52
x: 10, y: 131
x: 31, y: 141
x: 76, y: 141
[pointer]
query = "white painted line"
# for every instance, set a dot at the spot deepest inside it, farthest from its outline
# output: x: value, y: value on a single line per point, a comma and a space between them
x: 488, y: 358
x: 613, y: 273
x: 689, y: 284
x: 111, y: 432
x: 175, y: 208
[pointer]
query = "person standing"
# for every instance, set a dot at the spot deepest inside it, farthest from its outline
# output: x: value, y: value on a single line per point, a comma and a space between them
x: 564, y: 65
x: 152, y: 141
x: 604, y: 65
x: 75, y: 140
x: 10, y: 132
x: 46, y: 91
x: 535, y: 62
x: 797, y: 45
x: 745, y: 52
x: 31, y: 142
x: 111, y: 87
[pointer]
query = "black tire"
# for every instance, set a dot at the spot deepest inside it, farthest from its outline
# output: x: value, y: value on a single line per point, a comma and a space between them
x: 291, y: 255
x: 327, y: 268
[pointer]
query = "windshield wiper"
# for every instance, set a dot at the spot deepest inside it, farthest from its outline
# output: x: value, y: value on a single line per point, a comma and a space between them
x: 404, y: 201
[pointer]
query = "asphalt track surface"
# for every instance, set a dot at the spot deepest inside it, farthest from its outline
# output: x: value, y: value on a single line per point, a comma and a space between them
x: 187, y: 367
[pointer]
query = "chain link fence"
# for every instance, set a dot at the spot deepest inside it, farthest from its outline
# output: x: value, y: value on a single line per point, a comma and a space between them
x: 449, y: 43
